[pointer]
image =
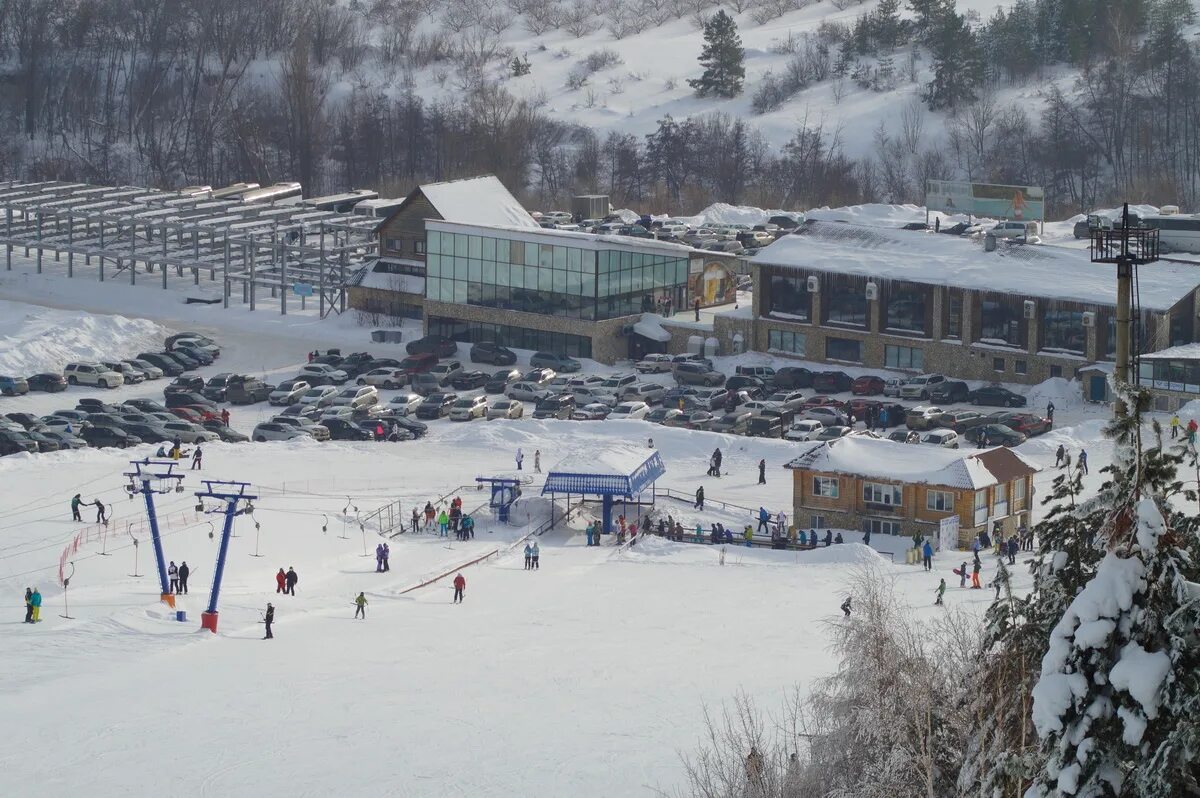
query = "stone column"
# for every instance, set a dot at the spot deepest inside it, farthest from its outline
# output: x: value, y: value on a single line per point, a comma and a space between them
x: 1033, y: 329
x: 967, y: 320
x: 937, y: 329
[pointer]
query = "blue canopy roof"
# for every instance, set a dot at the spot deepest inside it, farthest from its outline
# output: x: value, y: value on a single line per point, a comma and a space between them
x: 618, y: 471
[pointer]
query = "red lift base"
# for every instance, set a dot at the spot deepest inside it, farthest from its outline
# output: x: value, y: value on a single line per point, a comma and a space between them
x: 208, y: 620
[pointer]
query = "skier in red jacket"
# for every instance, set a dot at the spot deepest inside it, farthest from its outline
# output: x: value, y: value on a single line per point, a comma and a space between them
x: 460, y: 584
x: 280, y: 579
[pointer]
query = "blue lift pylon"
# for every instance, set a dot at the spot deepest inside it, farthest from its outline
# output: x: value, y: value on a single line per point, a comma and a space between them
x: 148, y: 471
x: 232, y: 493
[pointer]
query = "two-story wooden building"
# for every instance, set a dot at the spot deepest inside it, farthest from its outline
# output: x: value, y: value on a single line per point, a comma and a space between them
x: 394, y: 283
x: 865, y: 483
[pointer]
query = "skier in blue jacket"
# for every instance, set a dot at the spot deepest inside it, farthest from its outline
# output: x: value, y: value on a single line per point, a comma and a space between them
x: 764, y: 518
x: 528, y: 556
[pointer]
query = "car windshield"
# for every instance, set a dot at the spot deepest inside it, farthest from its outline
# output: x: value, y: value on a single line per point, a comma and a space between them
x: 349, y: 393
x: 464, y: 403
x: 315, y: 392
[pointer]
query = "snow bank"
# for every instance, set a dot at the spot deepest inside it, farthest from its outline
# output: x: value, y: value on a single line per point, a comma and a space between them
x: 1066, y: 394
x: 34, y: 339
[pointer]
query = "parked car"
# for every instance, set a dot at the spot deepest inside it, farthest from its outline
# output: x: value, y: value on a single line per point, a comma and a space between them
x: 436, y: 405
x: 634, y: 410
x: 335, y: 376
x: 1028, y: 424
x: 732, y: 423
x: 654, y: 364
x: 114, y: 437
x: 922, y: 417
x: 996, y: 396
x: 149, y: 433
x: 297, y: 410
x: 591, y: 412
x: 920, y: 387
x: 539, y: 376
x: 359, y: 396
x: 246, y: 390
x: 793, y: 400
x: 128, y: 373
x: 419, y: 363
x: 14, y: 386
x: 832, y: 381
x: 806, y: 429
x: 13, y: 442
x: 225, y: 432
x: 506, y: 408
x: 65, y: 440
x: 90, y: 374
x: 690, y: 419
x: 500, y: 380
x: 389, y: 378
x: 145, y: 405
x: 755, y: 386
x: 151, y: 371
x: 593, y: 396
x: 187, y: 399
x: 322, y: 396
x: 994, y: 435
x: 314, y: 428
x: 342, y: 430
x: 488, y: 352
x: 172, y: 340
x: 274, y: 431
x: 949, y: 391
x: 404, y: 403
x: 557, y: 362
x: 892, y: 386
x: 790, y: 377
x: 86, y: 406
x: 406, y: 424
x: 526, y: 392
x: 185, y: 383
x: 867, y: 385
x: 832, y: 433
x: 1014, y: 229
x: 960, y: 420
x: 446, y: 371
x: 164, y: 363
x: 699, y: 374
x: 189, y: 432
x: 438, y: 345
x: 649, y: 392
x: 764, y: 373
x: 215, y: 388
x: 288, y: 391
x: 558, y: 406
x: 660, y: 415
x: 828, y: 416
x: 469, y: 408
x: 946, y: 438
x: 469, y: 380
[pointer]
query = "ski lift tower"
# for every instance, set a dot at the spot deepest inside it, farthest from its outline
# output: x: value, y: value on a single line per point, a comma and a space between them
x: 1127, y: 246
x: 155, y: 476
x: 232, y: 494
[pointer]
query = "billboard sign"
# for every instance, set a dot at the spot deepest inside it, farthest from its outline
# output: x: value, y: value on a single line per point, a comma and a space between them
x: 1019, y: 203
x: 302, y: 289
x: 948, y: 533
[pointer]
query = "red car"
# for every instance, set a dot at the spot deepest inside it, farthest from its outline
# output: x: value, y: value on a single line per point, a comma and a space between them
x: 187, y: 414
x: 418, y: 363
x: 1029, y: 424
x: 823, y: 401
x: 867, y: 386
x: 858, y: 407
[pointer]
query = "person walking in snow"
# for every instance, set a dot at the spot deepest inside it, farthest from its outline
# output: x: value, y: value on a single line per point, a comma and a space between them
x: 537, y: 461
x: 1050, y: 412
x: 184, y: 573
x: 763, y: 518
x: 173, y: 577
x: 387, y: 554
x: 1012, y: 550
x: 28, y: 605
x: 528, y: 556
x: 1191, y: 432
x: 1083, y: 468
x: 520, y: 458
x: 762, y: 472
x: 975, y: 575
x: 941, y: 591
x: 225, y: 416
x: 360, y: 607
x: 460, y: 587
x: 379, y: 558
x: 927, y: 555
x: 700, y: 498
x: 268, y: 619
x: 846, y: 608
x: 1060, y: 456
x: 75, y: 502
x: 867, y: 537
x: 292, y: 579
x: 717, y: 462
x: 197, y: 456
x: 533, y: 563
x: 962, y: 574
x: 35, y: 601
x: 1174, y: 426
x: 281, y: 582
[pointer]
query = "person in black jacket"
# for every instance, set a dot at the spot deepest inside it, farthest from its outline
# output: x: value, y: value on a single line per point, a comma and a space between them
x: 183, y: 577
x: 762, y: 472
x: 828, y: 536
x: 700, y: 498
x: 290, y: 580
x: 269, y: 619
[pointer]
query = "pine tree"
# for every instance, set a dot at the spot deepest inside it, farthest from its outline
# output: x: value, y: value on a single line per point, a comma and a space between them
x: 957, y: 68
x: 722, y: 59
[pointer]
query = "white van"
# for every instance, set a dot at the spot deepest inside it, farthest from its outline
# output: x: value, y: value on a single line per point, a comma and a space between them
x: 1015, y: 230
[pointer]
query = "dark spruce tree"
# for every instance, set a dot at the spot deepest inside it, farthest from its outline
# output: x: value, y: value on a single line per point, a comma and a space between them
x: 721, y: 58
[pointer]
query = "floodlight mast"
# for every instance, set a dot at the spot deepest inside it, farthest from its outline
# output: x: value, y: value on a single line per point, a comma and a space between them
x: 145, y: 471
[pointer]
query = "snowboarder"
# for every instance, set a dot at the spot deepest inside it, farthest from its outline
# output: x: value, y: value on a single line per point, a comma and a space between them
x: 962, y: 574
x: 763, y: 518
x: 184, y: 573
x: 28, y: 605
x: 941, y: 591
x: 1050, y: 412
x: 35, y: 601
x: 1174, y: 426
x: 281, y: 582
x: 99, y: 512
x: 975, y: 575
x: 846, y: 606
x: 269, y: 619
x: 387, y: 555
x: 537, y: 461
x: 75, y: 502
x: 536, y: 552
x: 1060, y: 456
x: 700, y: 498
x: 225, y: 416
x: 197, y: 455
x: 292, y: 579
x: 927, y: 555
x: 173, y: 576
x: 762, y: 472
x: 460, y: 586
x: 528, y: 556
x: 520, y: 458
x: 360, y: 607
x: 1083, y: 468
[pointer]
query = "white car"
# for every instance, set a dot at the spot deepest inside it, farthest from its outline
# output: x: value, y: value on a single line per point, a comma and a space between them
x: 506, y: 408
x: 648, y: 392
x: 791, y: 400
x: 446, y: 371
x: 405, y: 403
x: 946, y: 438
x: 804, y: 430
x: 307, y: 425
x: 588, y: 396
x: 321, y: 396
x: 526, y: 392
x: 636, y: 410
x: 354, y: 398
x: 270, y: 431
x: 757, y: 405
x: 469, y: 408
x: 828, y: 416
x: 615, y: 383
x: 344, y: 412
x: 188, y: 432
x: 654, y: 364
x: 584, y: 381
x: 891, y: 387
x: 919, y: 387
x: 151, y: 371
x: 1014, y: 229
x: 336, y: 376
x: 389, y: 378
x: 92, y: 374
x: 288, y: 392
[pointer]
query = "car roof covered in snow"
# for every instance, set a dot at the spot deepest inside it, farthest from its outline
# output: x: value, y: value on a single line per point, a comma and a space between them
x: 877, y: 458
x: 1031, y: 270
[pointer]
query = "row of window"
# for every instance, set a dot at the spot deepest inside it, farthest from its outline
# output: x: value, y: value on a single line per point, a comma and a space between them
x: 642, y: 278
x: 889, y: 495
x: 510, y: 336
x: 904, y: 357
x: 793, y: 343
x: 545, y: 303
x: 546, y: 256
x: 1172, y: 375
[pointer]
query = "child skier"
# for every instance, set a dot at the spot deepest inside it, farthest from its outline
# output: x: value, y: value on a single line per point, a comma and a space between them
x: 941, y: 591
x: 360, y: 607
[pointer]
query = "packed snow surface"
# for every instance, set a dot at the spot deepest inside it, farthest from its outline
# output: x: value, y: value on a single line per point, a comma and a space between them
x: 34, y: 339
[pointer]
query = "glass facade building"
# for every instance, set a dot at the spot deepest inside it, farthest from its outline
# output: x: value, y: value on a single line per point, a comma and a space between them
x: 550, y: 279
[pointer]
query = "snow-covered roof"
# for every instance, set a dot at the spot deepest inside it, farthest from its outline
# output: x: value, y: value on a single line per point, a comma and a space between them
x: 565, y: 238
x: 1032, y: 270
x: 478, y: 200
x: 649, y: 326
x: 878, y: 458
x: 620, y: 469
x: 1181, y: 352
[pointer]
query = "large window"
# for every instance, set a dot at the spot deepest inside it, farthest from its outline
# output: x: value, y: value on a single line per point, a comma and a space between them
x: 790, y: 298
x: 1173, y: 375
x: 825, y: 486
x: 954, y: 303
x: 939, y: 500
x: 516, y: 337
x: 981, y: 507
x: 1018, y: 502
x: 784, y: 341
x: 1063, y: 331
x: 879, y: 526
x: 1000, y: 322
x: 843, y: 349
x: 846, y: 304
x: 904, y: 357
x: 879, y: 493
x: 1000, y: 501
x: 906, y: 311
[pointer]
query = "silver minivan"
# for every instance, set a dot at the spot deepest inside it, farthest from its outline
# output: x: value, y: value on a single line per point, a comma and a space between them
x: 648, y: 392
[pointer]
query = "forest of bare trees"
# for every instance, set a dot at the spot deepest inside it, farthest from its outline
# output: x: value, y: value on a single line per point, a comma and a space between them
x: 175, y: 92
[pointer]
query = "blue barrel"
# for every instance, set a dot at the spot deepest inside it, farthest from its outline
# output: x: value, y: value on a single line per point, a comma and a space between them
x: 180, y: 615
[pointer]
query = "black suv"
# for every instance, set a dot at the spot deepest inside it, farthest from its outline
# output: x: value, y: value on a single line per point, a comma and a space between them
x: 245, y: 390
x: 215, y: 387
x: 342, y: 430
x: 15, y: 443
x: 436, y: 405
x: 185, y: 384
x: 439, y: 345
x: 169, y: 366
x: 108, y: 436
x: 949, y: 391
x: 832, y: 381
x: 187, y: 399
x: 488, y: 352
